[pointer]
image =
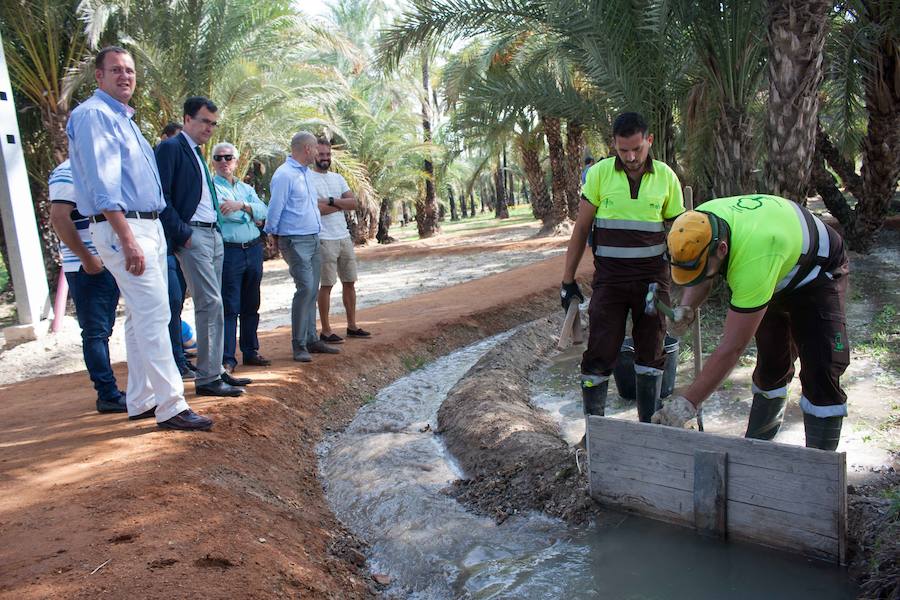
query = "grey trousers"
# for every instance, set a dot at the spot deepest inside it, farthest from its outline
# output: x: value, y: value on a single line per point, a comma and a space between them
x: 202, y: 267
x: 302, y: 255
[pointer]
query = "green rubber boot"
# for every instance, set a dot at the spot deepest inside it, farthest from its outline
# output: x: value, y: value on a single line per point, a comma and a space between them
x: 823, y: 433
x: 766, y: 416
x: 593, y: 394
x: 647, y: 388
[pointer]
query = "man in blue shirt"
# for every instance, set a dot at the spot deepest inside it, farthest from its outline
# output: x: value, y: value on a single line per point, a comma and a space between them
x: 117, y: 187
x: 241, y: 213
x: 294, y: 220
x: 92, y: 287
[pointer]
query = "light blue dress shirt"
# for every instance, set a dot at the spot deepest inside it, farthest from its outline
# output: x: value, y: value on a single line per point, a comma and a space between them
x: 294, y: 206
x: 239, y: 227
x: 113, y: 167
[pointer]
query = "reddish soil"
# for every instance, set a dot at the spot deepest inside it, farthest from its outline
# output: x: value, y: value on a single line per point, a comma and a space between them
x: 96, y: 505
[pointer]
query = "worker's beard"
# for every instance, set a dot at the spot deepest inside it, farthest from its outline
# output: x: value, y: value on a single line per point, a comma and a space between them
x: 323, y: 165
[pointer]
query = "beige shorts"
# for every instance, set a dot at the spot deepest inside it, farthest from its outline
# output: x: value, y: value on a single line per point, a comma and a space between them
x: 338, y: 260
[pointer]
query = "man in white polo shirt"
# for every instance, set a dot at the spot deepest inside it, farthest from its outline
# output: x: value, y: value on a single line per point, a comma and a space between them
x: 338, y: 257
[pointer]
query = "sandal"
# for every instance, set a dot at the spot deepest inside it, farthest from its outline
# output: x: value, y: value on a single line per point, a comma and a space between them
x: 358, y: 332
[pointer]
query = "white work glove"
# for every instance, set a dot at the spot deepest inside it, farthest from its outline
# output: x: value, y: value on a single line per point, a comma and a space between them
x: 677, y: 412
x: 684, y: 316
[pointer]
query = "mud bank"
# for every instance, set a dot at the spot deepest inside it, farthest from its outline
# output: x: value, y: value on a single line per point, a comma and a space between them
x: 512, y: 452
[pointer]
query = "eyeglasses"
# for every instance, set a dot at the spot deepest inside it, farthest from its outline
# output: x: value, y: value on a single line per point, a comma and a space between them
x: 225, y: 157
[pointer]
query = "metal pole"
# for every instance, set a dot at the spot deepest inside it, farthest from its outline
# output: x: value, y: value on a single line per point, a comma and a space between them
x: 695, y: 328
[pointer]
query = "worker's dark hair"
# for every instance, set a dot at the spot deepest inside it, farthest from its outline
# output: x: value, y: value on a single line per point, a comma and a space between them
x: 589, y: 161
x: 193, y: 105
x: 629, y: 123
x: 323, y: 140
x: 171, y: 129
x: 101, y: 56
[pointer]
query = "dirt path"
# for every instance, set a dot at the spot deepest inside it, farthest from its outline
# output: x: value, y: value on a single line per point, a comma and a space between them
x: 97, y: 505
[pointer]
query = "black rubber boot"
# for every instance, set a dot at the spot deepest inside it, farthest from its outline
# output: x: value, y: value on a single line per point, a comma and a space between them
x: 823, y: 433
x: 766, y: 416
x: 593, y: 394
x: 647, y: 387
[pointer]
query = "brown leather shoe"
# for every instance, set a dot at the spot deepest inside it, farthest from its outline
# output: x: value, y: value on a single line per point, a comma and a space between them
x: 187, y: 420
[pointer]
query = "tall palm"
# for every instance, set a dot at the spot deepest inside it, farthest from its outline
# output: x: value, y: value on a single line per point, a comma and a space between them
x: 727, y: 44
x: 796, y: 37
x: 862, y: 89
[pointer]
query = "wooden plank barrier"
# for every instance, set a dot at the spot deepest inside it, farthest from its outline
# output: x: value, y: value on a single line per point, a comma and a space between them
x: 786, y: 497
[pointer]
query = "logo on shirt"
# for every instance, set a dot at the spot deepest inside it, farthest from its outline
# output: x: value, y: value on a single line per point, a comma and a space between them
x: 749, y: 202
x: 839, y: 342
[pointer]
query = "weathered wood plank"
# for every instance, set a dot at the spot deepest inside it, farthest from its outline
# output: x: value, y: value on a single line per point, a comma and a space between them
x: 756, y: 453
x: 781, y: 496
x: 710, y: 498
x: 780, y: 530
x: 657, y: 501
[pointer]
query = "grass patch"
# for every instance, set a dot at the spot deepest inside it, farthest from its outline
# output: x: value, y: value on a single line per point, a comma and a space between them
x: 518, y: 215
x: 413, y: 363
x: 883, y: 343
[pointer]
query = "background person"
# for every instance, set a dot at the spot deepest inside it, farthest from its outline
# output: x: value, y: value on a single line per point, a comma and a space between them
x: 241, y: 213
x: 294, y: 219
x: 338, y: 255
x: 93, y: 288
x: 193, y: 232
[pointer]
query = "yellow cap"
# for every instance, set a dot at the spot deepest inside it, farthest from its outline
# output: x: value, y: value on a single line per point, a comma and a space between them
x: 689, y: 242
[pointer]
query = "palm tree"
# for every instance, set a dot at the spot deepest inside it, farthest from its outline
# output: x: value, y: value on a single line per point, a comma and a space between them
x: 796, y: 37
x: 861, y: 118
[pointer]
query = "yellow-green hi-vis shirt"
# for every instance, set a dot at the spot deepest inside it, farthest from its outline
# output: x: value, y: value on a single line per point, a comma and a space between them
x: 629, y: 235
x: 766, y: 242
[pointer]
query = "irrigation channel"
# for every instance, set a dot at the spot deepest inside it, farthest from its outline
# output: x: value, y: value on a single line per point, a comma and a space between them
x: 384, y: 476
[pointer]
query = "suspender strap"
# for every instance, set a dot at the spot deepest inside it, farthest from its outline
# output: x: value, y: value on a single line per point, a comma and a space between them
x: 814, y: 253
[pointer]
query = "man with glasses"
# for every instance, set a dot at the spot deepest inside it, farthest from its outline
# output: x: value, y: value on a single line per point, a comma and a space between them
x: 241, y: 214
x: 625, y: 202
x: 117, y: 188
x: 788, y: 275
x: 191, y: 222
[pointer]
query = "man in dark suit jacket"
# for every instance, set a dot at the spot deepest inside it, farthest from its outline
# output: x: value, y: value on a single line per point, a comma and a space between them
x: 190, y: 221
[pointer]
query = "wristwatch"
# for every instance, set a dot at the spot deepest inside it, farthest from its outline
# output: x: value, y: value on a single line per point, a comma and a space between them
x: 330, y: 201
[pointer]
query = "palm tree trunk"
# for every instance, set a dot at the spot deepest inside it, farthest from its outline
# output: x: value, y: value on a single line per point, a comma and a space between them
x: 559, y: 206
x: 881, y: 146
x: 531, y: 164
x: 733, y: 156
x: 500, y: 210
x: 426, y: 208
x: 574, y: 161
x: 452, y: 202
x: 384, y: 223
x: 796, y: 36
x: 463, y: 209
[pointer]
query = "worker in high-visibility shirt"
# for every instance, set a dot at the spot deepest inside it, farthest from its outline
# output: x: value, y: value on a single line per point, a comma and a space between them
x: 625, y: 202
x: 788, y: 275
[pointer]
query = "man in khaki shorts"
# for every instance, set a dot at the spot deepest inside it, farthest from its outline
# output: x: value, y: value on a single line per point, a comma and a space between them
x: 338, y: 257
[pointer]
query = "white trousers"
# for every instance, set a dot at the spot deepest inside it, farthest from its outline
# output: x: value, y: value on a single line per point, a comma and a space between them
x: 153, y: 378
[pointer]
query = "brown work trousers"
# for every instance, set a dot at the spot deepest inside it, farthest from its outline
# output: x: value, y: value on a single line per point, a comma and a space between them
x: 608, y: 313
x: 808, y: 323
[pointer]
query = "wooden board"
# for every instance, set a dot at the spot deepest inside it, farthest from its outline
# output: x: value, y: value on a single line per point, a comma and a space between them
x: 782, y: 496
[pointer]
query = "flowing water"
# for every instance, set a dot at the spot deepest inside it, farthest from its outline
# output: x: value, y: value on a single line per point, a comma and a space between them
x: 384, y: 477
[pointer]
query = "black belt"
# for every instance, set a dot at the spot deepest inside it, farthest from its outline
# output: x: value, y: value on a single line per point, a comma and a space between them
x: 129, y: 214
x: 243, y: 245
x: 202, y: 224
